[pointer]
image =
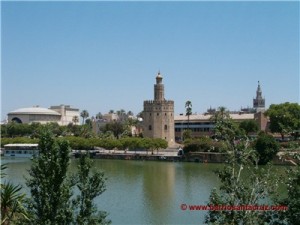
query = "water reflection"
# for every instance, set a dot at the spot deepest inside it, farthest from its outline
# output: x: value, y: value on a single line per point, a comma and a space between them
x: 144, y: 192
x: 158, y: 191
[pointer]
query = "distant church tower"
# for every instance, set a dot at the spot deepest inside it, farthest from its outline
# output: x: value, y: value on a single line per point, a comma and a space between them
x: 158, y: 121
x: 259, y: 101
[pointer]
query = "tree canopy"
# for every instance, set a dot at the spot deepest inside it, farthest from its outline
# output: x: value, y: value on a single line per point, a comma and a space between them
x: 284, y: 118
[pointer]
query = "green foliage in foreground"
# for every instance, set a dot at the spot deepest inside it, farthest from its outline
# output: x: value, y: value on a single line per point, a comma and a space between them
x: 291, y: 181
x: 12, y: 201
x: 52, y: 200
x: 242, y: 182
x: 90, y: 186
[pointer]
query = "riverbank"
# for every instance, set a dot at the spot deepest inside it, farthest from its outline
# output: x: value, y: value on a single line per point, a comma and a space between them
x: 171, y: 155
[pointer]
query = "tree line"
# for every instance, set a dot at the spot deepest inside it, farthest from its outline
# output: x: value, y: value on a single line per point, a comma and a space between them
x: 52, y: 187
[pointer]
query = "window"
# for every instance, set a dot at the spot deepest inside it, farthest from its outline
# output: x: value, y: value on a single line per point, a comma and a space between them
x: 166, y: 127
x: 157, y: 114
x: 150, y: 127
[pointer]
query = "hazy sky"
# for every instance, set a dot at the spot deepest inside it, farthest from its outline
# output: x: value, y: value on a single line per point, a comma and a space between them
x: 105, y: 55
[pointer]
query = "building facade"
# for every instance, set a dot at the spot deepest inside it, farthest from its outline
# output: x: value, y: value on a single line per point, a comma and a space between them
x: 202, y: 125
x: 158, y: 115
x: 67, y: 113
x: 63, y: 115
x: 34, y: 114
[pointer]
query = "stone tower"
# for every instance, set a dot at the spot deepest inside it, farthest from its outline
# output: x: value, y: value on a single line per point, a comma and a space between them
x: 159, y: 115
x: 259, y: 101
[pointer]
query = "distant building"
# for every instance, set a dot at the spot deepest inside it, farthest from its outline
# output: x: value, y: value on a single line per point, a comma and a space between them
x: 259, y: 101
x: 67, y: 113
x: 63, y: 115
x: 202, y: 125
x: 158, y: 115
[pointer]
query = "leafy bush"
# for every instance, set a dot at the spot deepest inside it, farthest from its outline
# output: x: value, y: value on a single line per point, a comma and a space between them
x: 204, y: 144
x: 266, y: 147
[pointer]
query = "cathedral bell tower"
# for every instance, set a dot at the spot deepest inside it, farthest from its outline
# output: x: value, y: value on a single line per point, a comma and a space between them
x: 158, y: 115
x: 259, y: 101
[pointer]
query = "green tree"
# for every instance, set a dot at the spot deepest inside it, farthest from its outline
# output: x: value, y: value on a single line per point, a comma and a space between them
x: 224, y: 128
x: 242, y: 182
x: 52, y: 200
x: 50, y: 192
x: 90, y: 186
x: 284, y: 118
x: 249, y: 126
x: 266, y: 147
x: 159, y: 143
x: 75, y: 120
x: 116, y: 127
x: 293, y: 199
x: 187, y: 134
x: 12, y: 202
x: 84, y: 114
x: 99, y: 116
x: 188, y: 111
x: 122, y: 116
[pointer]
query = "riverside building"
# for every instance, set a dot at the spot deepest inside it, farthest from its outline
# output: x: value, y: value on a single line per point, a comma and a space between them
x: 202, y: 125
x: 158, y: 115
x: 62, y: 114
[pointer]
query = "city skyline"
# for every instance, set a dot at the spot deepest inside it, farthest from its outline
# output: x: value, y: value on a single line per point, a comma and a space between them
x: 105, y: 55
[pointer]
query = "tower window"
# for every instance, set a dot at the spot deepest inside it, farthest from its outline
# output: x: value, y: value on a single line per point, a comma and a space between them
x: 158, y: 114
x: 150, y: 127
x: 166, y: 127
x: 165, y: 114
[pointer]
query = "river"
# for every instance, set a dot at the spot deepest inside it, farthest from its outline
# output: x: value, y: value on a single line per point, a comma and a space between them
x: 144, y: 192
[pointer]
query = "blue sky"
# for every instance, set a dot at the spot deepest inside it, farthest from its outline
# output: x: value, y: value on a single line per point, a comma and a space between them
x: 105, y: 55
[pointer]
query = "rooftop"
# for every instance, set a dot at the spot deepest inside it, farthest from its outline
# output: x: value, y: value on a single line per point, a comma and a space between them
x: 34, y: 110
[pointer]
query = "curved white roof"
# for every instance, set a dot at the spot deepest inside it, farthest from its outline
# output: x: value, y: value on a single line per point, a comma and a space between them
x: 35, y: 110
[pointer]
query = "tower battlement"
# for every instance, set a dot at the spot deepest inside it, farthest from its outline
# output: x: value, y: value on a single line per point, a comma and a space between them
x: 158, y: 115
x: 150, y: 102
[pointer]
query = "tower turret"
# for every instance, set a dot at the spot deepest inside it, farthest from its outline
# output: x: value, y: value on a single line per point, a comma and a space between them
x: 159, y: 88
x: 259, y: 101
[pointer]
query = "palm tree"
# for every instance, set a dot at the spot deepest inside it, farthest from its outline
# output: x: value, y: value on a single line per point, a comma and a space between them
x: 99, y: 116
x: 111, y: 111
x: 121, y: 114
x: 84, y: 114
x: 130, y: 113
x: 220, y: 115
x: 188, y: 108
x: 12, y: 202
x: 75, y: 119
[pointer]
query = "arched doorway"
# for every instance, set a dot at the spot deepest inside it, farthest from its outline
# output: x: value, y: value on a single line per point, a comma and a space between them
x: 16, y: 120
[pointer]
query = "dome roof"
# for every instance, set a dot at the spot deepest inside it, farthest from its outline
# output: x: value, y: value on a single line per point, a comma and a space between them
x: 35, y: 110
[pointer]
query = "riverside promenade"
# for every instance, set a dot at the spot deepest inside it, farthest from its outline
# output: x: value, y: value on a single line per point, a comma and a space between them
x: 171, y: 154
x: 165, y: 154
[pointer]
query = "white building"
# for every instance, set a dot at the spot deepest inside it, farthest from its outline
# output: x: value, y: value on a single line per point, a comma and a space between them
x: 63, y: 115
